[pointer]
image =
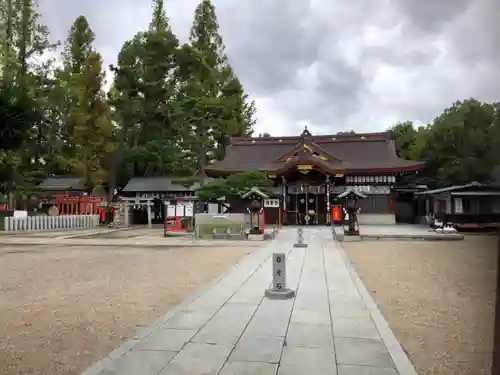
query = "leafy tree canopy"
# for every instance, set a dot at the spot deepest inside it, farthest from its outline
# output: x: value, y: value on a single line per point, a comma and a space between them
x: 236, y: 184
x: 18, y: 112
x: 459, y: 146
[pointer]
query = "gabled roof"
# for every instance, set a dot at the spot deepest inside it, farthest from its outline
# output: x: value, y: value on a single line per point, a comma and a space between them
x: 306, y: 145
x: 348, y: 192
x: 256, y: 191
x: 62, y: 183
x: 158, y: 184
x: 368, y: 152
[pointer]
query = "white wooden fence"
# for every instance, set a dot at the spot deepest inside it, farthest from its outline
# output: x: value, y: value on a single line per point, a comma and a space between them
x: 38, y: 223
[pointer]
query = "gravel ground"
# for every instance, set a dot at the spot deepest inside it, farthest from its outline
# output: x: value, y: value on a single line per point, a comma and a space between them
x: 63, y: 308
x: 438, y: 298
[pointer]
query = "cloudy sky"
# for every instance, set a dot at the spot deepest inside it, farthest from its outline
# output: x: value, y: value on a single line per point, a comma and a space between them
x: 333, y: 65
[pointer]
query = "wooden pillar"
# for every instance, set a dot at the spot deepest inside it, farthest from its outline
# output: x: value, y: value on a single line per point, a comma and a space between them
x: 327, y: 198
x: 283, y: 194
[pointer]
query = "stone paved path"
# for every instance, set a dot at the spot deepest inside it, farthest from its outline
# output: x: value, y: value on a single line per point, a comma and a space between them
x: 331, y: 327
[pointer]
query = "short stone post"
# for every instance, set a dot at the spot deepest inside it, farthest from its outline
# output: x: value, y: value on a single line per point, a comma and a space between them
x: 150, y: 216
x: 300, y: 238
x: 127, y: 217
x: 279, y: 289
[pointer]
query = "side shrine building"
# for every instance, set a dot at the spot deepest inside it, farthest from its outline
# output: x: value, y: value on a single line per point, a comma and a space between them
x: 310, y: 171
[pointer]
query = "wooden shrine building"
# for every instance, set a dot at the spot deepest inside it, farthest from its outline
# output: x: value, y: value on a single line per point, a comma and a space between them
x: 310, y: 171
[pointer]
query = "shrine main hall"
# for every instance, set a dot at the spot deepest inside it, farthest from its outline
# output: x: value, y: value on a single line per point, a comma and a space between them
x: 309, y: 171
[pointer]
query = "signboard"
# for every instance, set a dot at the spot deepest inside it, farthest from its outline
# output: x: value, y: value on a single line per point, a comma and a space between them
x: 279, y: 271
x: 304, y: 167
x: 189, y: 210
x: 171, y: 210
x: 271, y: 203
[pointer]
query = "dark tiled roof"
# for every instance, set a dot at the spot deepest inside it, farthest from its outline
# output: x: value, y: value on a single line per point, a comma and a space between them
x: 351, y: 153
x: 157, y: 184
x: 61, y: 183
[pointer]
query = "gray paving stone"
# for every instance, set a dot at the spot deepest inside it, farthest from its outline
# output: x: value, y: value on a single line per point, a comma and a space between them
x: 313, y: 289
x: 269, y: 307
x: 251, y: 297
x: 365, y: 370
x: 346, y: 297
x: 362, y: 352
x: 197, y: 359
x: 139, y: 362
x: 208, y: 302
x: 309, y: 335
x: 234, y: 312
x: 267, y: 326
x: 166, y: 339
x: 220, y: 335
x: 361, y: 328
x: 342, y: 285
x: 303, y: 361
x: 258, y: 350
x: 189, y: 319
x: 302, y: 316
x: 227, y: 325
x: 341, y: 309
x: 312, y: 301
x: 249, y: 368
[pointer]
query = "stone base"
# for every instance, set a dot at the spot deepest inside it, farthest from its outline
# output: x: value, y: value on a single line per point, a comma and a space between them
x: 300, y: 245
x: 256, y: 237
x: 351, y: 238
x: 280, y: 293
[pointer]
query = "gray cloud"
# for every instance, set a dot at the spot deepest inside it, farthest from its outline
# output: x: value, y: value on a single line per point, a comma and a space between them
x: 332, y: 64
x: 431, y: 16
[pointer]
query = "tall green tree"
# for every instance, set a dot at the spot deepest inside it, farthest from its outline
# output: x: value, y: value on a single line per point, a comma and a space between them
x: 25, y: 77
x: 78, y: 46
x: 77, y: 50
x: 125, y: 103
x: 92, y: 130
x: 213, y: 100
x: 143, y: 99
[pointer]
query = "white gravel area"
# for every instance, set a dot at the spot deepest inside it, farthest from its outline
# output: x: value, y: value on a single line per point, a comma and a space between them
x: 63, y: 308
x: 438, y: 298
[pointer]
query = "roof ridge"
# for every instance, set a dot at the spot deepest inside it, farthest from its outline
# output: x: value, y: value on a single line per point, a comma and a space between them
x: 359, y: 137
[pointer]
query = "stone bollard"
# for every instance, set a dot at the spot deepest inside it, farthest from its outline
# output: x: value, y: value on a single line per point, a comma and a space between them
x: 279, y: 289
x: 300, y: 238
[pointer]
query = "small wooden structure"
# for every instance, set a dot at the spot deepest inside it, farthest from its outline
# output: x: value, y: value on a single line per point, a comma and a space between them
x: 156, y: 189
x: 254, y: 199
x: 473, y: 205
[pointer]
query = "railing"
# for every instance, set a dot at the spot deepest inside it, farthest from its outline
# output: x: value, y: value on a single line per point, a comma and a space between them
x: 40, y: 223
